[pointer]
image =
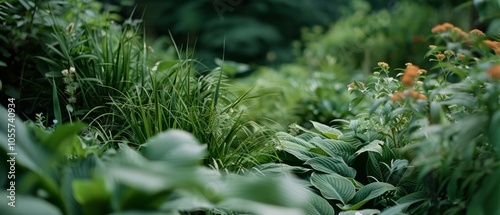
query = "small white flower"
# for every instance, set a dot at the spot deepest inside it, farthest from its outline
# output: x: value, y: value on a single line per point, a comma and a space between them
x: 65, y: 72
x: 155, y: 67
x: 72, y: 70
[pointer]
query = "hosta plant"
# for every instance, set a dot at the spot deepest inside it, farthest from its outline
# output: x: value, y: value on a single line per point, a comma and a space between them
x: 431, y: 133
x: 57, y: 174
x: 356, y: 170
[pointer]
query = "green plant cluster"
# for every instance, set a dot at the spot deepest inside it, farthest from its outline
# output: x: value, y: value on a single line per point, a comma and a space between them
x: 59, y: 172
x: 27, y: 31
x: 103, y: 73
x: 122, y: 126
x: 429, y: 144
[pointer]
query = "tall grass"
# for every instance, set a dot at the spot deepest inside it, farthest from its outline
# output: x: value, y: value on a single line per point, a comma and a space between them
x: 124, y: 99
x: 175, y: 96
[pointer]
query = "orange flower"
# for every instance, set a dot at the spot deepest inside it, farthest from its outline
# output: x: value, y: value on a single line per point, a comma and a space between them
x: 383, y: 64
x: 494, y: 45
x: 494, y: 72
x: 408, y: 81
x: 352, y: 85
x: 475, y: 33
x: 403, y: 95
x: 416, y: 95
x: 412, y: 71
x: 461, y: 34
x: 447, y: 25
x: 442, y: 28
x: 397, y: 96
x: 421, y: 97
x: 440, y: 56
x: 438, y: 29
x: 461, y: 56
x: 410, y: 74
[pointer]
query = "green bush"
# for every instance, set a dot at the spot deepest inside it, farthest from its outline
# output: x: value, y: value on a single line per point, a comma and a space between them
x: 433, y: 137
x: 57, y: 173
x: 34, y: 28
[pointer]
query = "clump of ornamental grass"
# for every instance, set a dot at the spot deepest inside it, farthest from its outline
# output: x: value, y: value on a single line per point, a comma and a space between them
x: 175, y: 96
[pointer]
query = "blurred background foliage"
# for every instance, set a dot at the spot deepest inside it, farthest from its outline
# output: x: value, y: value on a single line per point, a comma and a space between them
x: 262, y: 32
x: 322, y: 41
x: 273, y: 45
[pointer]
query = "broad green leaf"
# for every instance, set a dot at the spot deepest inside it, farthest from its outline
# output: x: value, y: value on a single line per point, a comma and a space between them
x: 335, y: 148
x: 404, y: 202
x: 485, y: 200
x: 186, y: 203
x: 376, y: 104
x: 90, y: 191
x: 302, y: 155
x: 373, y: 167
x: 361, y: 212
x: 27, y: 205
x: 64, y: 139
x: 356, y: 184
x: 329, y: 132
x: 413, y: 197
x: 175, y: 146
x: 374, y: 146
x: 34, y: 156
x: 396, y: 209
x: 332, y: 165
x: 355, y: 102
x: 318, y: 206
x: 289, y: 141
x: 435, y: 112
x: 277, y: 168
x: 260, y: 208
x: 368, y: 193
x: 333, y: 186
x: 138, y: 212
x: 318, y: 151
x: 283, y: 191
x: 494, y: 134
x: 143, y: 179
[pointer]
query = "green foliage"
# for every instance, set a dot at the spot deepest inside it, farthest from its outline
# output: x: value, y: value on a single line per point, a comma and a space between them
x: 350, y: 169
x: 164, y: 176
x: 174, y: 97
x: 442, y: 122
x: 293, y: 94
x: 364, y: 37
x: 100, y: 72
x: 30, y: 28
x: 250, y: 31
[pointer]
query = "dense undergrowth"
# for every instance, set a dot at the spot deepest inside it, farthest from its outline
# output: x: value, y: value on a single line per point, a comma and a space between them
x: 109, y: 125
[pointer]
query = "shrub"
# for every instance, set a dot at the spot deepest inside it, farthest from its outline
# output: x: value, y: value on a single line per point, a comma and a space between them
x: 437, y: 126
